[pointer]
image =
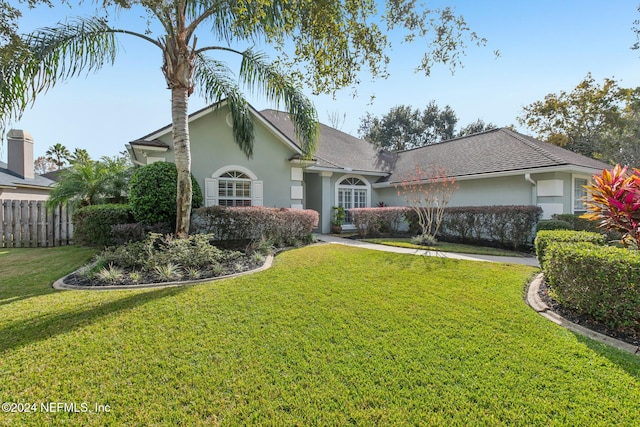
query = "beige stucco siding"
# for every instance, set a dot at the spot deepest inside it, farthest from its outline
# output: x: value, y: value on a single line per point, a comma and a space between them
x: 23, y: 194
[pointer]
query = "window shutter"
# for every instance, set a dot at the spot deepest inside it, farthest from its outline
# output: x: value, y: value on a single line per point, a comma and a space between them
x: 256, y: 193
x: 210, y: 192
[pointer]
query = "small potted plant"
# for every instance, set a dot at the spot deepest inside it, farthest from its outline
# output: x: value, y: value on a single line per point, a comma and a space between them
x: 339, y: 217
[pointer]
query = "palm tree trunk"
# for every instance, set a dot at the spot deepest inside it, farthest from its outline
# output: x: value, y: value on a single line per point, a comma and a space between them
x: 182, y: 150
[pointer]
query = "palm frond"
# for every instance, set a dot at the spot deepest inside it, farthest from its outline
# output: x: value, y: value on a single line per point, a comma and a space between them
x: 40, y: 59
x: 261, y: 76
x: 214, y: 80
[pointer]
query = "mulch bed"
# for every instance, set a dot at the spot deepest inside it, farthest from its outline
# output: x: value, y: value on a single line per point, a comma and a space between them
x: 237, y: 265
x: 586, y: 321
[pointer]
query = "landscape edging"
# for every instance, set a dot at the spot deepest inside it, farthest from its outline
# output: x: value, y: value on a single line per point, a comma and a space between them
x: 535, y: 302
x: 62, y: 286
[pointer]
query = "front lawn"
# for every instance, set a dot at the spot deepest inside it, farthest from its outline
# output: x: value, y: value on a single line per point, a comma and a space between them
x: 403, y: 242
x: 330, y: 335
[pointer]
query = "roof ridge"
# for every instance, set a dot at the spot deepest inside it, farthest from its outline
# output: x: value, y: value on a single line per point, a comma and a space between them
x: 536, y: 147
x: 457, y: 138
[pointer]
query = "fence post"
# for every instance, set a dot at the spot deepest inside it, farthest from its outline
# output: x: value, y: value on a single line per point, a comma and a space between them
x: 15, y: 220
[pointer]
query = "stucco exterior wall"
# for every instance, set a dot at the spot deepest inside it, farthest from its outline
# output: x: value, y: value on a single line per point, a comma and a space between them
x: 478, y: 192
x: 213, y: 147
x: 313, y: 195
x: 23, y: 194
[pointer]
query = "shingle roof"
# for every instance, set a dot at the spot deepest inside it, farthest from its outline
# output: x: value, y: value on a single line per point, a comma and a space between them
x: 336, y: 149
x: 493, y: 151
x: 497, y: 150
x: 10, y: 179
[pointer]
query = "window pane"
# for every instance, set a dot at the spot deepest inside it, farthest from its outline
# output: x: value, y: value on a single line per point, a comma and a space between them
x: 579, y: 194
x: 234, y: 189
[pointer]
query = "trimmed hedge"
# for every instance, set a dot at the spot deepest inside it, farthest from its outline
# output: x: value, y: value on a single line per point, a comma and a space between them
x: 137, y: 232
x: 507, y: 226
x: 280, y: 226
x: 92, y: 224
x: 152, y: 193
x: 600, y: 281
x: 374, y: 221
x: 546, y: 237
x: 577, y: 223
x: 553, y: 224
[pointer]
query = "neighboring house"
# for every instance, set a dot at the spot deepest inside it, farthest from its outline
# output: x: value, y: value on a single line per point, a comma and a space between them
x: 17, y: 178
x: 497, y: 167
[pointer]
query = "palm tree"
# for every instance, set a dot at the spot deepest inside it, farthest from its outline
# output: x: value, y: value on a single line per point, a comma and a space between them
x: 80, y: 155
x: 58, y: 154
x: 333, y: 40
x: 87, y: 44
x: 92, y: 182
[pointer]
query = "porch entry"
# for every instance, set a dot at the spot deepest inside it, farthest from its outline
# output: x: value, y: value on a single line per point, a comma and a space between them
x: 352, y: 193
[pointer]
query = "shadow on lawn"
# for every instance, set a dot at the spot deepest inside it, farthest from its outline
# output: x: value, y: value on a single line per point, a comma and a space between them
x: 624, y: 360
x: 47, y: 326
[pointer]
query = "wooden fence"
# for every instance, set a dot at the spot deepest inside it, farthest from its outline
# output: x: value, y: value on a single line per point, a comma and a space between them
x: 29, y: 224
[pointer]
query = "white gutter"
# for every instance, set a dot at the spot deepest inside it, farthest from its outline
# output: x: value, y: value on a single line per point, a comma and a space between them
x: 534, y: 194
x: 566, y: 168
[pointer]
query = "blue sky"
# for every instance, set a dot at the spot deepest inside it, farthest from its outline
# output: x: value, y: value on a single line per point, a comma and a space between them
x: 545, y: 45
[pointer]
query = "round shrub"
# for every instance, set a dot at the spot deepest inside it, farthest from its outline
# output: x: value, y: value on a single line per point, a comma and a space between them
x: 152, y: 193
x: 92, y: 224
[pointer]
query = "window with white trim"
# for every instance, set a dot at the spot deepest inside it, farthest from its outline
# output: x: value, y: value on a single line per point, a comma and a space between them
x: 234, y: 189
x: 579, y: 195
x: 352, y: 193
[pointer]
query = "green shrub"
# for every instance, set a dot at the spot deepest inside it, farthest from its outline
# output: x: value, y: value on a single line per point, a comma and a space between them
x: 279, y: 226
x: 577, y: 223
x: 505, y: 226
x: 553, y: 224
x: 92, y: 224
x: 152, y: 193
x: 157, y: 250
x: 424, y: 240
x: 600, y: 281
x: 136, y: 232
x: 374, y: 221
x: 545, y: 237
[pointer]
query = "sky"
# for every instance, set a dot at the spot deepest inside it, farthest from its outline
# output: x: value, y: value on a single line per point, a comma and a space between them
x: 545, y: 46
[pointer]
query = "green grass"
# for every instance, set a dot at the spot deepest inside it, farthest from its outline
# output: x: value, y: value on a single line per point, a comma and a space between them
x: 330, y: 335
x: 401, y: 242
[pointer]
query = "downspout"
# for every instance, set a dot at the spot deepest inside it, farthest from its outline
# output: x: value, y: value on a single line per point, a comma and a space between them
x: 527, y: 177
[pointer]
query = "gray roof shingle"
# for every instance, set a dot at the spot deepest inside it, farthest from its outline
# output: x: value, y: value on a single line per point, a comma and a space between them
x: 497, y: 150
x: 493, y: 151
x: 336, y: 149
x: 9, y: 179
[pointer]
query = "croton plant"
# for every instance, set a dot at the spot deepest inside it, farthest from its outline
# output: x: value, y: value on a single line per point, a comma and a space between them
x: 614, y: 200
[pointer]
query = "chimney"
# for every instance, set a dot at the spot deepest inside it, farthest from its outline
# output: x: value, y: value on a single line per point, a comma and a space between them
x: 20, y: 153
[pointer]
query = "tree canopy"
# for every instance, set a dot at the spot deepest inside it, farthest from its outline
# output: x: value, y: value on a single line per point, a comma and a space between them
x: 404, y: 127
x: 593, y: 119
x: 324, y: 45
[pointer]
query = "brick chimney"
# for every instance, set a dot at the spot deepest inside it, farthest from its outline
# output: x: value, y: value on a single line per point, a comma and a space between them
x: 20, y: 153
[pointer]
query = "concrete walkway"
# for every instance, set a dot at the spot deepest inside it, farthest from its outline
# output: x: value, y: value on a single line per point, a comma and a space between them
x: 532, y: 261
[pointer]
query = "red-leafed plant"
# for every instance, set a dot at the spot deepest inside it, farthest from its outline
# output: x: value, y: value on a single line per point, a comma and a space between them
x: 614, y: 200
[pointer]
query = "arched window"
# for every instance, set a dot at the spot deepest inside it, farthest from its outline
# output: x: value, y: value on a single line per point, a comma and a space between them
x: 352, y: 192
x: 234, y: 189
x: 233, y: 186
